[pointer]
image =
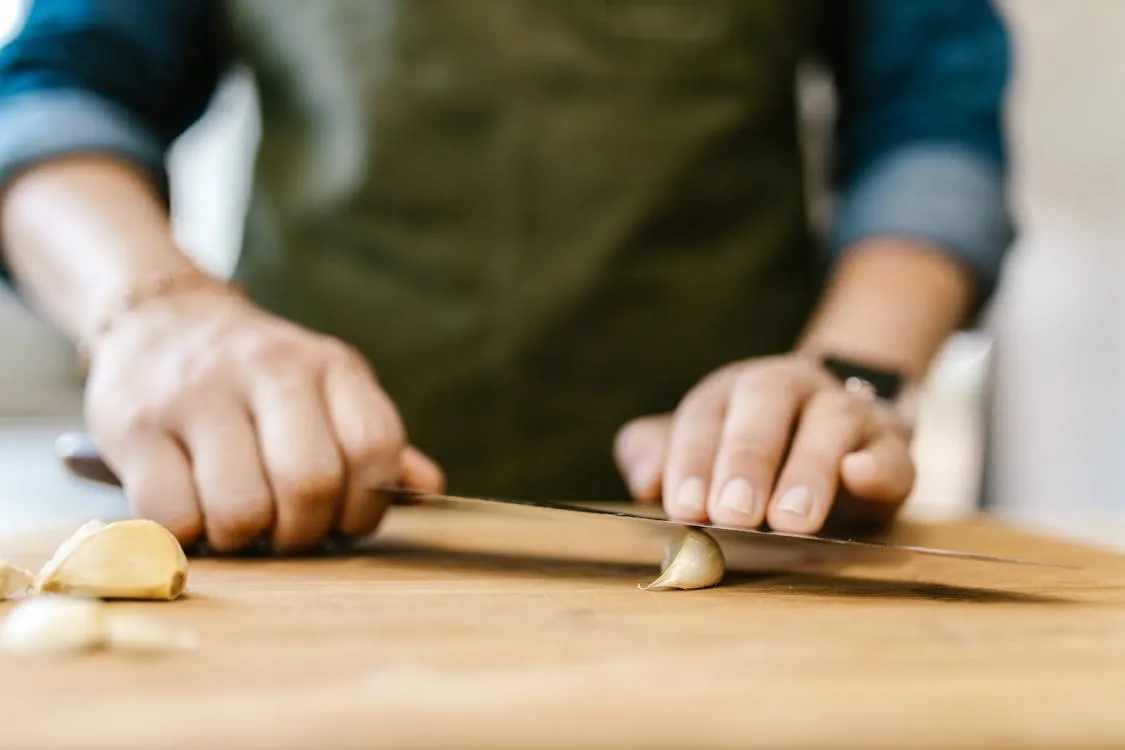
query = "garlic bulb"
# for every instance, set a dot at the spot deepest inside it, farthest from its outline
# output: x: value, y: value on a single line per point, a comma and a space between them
x: 47, y: 625
x: 695, y: 561
x: 134, y: 559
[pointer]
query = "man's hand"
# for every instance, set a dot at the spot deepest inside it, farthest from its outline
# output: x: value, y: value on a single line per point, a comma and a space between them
x: 223, y: 420
x: 771, y: 439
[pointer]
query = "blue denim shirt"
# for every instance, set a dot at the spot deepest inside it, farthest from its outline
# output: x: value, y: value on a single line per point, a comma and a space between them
x: 919, y: 151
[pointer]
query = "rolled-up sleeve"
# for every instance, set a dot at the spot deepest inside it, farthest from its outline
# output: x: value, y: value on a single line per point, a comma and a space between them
x: 117, y: 77
x: 920, y: 146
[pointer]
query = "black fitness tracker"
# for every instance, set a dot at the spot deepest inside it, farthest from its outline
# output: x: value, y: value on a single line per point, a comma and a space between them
x: 882, y: 384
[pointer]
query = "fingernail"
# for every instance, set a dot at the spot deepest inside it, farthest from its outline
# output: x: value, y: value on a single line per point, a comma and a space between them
x: 692, y: 496
x: 797, y: 501
x: 737, y: 497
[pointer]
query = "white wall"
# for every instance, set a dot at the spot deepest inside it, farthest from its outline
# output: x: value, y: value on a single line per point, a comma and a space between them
x: 1060, y: 378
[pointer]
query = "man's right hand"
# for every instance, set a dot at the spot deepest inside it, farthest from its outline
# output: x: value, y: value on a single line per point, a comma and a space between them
x: 223, y: 420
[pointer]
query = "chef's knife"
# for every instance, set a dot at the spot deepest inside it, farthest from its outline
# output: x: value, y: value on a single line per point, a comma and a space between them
x: 80, y: 456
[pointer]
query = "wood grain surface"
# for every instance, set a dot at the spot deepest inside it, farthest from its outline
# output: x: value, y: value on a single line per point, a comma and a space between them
x: 509, y: 629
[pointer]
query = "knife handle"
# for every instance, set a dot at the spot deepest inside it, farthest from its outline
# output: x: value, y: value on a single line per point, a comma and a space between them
x: 80, y: 457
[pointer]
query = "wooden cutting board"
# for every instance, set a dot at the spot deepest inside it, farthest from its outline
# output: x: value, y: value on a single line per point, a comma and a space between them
x: 506, y: 629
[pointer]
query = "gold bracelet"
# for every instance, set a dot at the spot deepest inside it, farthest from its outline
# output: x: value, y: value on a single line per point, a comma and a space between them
x: 142, y: 292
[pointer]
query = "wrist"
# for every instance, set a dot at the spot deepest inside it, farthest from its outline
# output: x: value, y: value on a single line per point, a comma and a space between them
x: 142, y: 292
x: 895, y: 390
x: 890, y: 304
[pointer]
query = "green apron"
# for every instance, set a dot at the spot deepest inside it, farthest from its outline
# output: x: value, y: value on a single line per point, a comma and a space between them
x: 537, y: 218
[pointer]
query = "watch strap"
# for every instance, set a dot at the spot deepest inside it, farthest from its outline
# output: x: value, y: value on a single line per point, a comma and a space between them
x: 883, y: 384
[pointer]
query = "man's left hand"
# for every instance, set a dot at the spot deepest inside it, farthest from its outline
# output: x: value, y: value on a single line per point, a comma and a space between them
x: 772, y: 440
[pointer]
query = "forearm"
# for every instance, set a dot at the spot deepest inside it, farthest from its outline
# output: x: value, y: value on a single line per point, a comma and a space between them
x: 891, y: 303
x: 922, y: 224
x: 78, y: 233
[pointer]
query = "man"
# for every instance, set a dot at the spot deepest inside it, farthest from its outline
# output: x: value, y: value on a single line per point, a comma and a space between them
x: 540, y: 220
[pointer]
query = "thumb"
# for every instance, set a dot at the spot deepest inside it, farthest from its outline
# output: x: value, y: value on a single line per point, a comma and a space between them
x: 420, y: 472
x: 882, y: 471
x: 640, y: 449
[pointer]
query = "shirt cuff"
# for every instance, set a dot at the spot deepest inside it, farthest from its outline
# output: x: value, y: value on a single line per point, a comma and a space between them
x: 42, y: 125
x: 939, y: 193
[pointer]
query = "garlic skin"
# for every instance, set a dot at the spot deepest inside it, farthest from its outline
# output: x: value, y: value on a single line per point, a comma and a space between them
x: 132, y: 632
x: 14, y: 581
x: 133, y: 559
x: 694, y: 562
x: 51, y: 625
x: 70, y: 544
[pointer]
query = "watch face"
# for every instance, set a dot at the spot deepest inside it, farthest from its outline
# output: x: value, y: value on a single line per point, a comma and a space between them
x: 882, y: 383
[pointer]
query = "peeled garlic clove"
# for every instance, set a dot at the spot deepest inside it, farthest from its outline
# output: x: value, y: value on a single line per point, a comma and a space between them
x: 134, y: 559
x: 13, y: 580
x: 694, y: 562
x: 50, y: 625
x: 131, y: 632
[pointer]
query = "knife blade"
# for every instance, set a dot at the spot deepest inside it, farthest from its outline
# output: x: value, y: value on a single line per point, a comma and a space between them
x: 80, y: 456
x: 418, y: 496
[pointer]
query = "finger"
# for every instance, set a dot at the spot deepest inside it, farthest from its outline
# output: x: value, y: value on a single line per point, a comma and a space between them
x: 233, y: 491
x: 756, y: 434
x: 640, y: 449
x: 882, y: 471
x: 301, y: 458
x: 157, y: 478
x: 371, y: 440
x: 420, y: 472
x: 693, y: 443
x: 833, y: 423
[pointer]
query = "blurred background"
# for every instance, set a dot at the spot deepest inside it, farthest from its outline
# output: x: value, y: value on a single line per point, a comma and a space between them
x: 1025, y: 417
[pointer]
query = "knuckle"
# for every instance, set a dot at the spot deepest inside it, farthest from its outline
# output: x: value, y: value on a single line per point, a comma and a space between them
x: 723, y: 375
x: 179, y: 515
x: 377, y: 444
x: 813, y: 459
x: 237, y: 529
x: 342, y: 353
x: 272, y: 352
x: 706, y: 400
x: 244, y: 513
x: 136, y: 423
x: 374, y: 437
x: 775, y: 381
x: 118, y: 415
x: 693, y: 401
x: 186, y: 530
x: 844, y: 404
x: 309, y: 489
x: 743, y: 452
x: 202, y: 373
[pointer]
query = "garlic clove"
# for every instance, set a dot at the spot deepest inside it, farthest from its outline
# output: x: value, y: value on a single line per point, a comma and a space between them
x: 14, y: 581
x: 69, y: 545
x: 49, y: 625
x: 132, y: 632
x: 133, y: 559
x: 695, y: 561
